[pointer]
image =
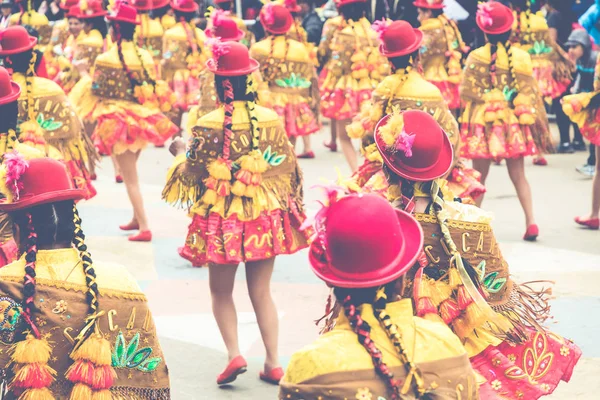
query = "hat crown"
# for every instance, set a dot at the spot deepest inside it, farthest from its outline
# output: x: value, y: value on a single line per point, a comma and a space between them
x: 91, y: 6
x: 125, y: 13
x: 276, y: 18
x: 44, y: 175
x: 362, y: 235
x: 494, y: 17
x: 235, y: 58
x: 141, y: 3
x: 14, y: 37
x: 67, y: 4
x: 429, y: 139
x: 5, y: 83
x: 185, y: 5
x: 226, y: 29
x: 398, y: 36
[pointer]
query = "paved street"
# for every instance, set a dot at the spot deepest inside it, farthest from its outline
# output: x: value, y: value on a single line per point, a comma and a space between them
x: 180, y: 298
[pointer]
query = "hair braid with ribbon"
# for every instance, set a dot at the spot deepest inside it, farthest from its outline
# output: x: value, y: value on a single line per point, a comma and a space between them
x: 363, y: 331
x: 86, y: 258
x: 29, y: 279
x: 132, y: 79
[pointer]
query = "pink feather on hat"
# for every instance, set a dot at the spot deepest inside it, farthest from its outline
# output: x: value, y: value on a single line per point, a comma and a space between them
x: 484, y: 13
x: 15, y: 165
x: 404, y: 142
x: 380, y: 26
x: 217, y: 47
x: 269, y: 16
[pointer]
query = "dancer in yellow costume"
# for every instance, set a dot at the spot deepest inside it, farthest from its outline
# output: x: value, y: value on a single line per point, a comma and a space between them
x: 28, y: 16
x: 406, y: 89
x: 352, y: 68
x: 149, y: 32
x: 442, y: 50
x: 71, y: 328
x: 377, y: 349
x: 60, y: 29
x: 290, y: 75
x: 49, y: 121
x: 184, y: 55
x: 65, y: 33
x: 229, y: 8
x: 241, y: 180
x: 127, y: 102
x: 504, y: 115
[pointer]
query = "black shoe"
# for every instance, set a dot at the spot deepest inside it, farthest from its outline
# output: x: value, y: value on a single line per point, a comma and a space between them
x: 565, y: 148
x: 578, y: 145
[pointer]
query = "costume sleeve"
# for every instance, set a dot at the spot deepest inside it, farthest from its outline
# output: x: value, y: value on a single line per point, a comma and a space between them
x: 183, y: 179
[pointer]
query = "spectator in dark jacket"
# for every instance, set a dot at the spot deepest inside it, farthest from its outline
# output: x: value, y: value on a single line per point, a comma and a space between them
x: 312, y: 22
x: 581, y: 52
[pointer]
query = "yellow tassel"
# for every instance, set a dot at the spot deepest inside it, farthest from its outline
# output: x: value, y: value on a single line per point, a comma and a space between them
x: 236, y: 206
x: 238, y: 188
x: 31, y: 350
x: 102, y: 395
x: 219, y: 170
x: 39, y: 394
x: 433, y: 317
x: 424, y: 287
x: 251, y: 191
x: 95, y: 349
x: 253, y: 162
x: 440, y: 291
x: 526, y: 119
x: 81, y: 392
x: 210, y: 197
x: 454, y: 278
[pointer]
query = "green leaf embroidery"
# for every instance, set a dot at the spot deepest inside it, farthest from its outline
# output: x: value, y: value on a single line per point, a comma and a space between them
x: 139, y: 357
x: 281, y: 82
x: 497, y: 285
x: 509, y: 93
x: 48, y: 124
x: 293, y: 81
x: 120, y: 349
x: 272, y: 158
x: 489, y: 279
x: 40, y: 119
x: 132, y: 348
x: 127, y: 355
x: 151, y: 364
x: 481, y: 270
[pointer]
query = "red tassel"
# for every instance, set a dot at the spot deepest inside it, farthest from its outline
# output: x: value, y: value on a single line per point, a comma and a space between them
x: 223, y: 188
x: 211, y: 183
x: 244, y: 176
x: 463, y: 297
x: 33, y: 376
x: 104, y: 377
x: 81, y: 371
x: 256, y: 179
x: 449, y: 311
x: 425, y: 306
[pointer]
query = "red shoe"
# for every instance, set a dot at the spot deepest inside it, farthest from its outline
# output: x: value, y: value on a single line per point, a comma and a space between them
x: 592, y: 223
x: 236, y: 367
x: 331, y: 146
x: 159, y: 146
x: 532, y: 233
x: 131, y: 226
x: 274, y: 376
x: 141, y: 236
x: 93, y: 177
x: 542, y: 162
x: 308, y: 154
x: 118, y: 179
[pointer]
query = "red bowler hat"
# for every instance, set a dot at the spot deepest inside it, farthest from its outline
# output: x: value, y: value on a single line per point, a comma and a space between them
x: 91, y: 9
x: 188, y: 6
x: 9, y: 90
x: 223, y: 27
x: 147, y: 5
x: 414, y: 146
x: 124, y: 13
x: 340, y: 3
x: 74, y: 12
x: 67, y: 4
x: 398, y: 38
x: 34, y: 182
x: 494, y: 18
x: 14, y: 40
x: 431, y: 4
x: 292, y: 6
x: 364, y: 242
x: 231, y: 59
x: 276, y: 18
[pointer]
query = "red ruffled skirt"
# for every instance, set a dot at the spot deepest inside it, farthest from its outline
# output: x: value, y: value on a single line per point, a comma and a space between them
x: 527, y: 371
x: 215, y: 240
x: 577, y: 107
x: 298, y: 119
x: 549, y: 86
x: 465, y: 183
x: 497, y: 141
x: 81, y: 177
x: 450, y: 92
x: 342, y: 98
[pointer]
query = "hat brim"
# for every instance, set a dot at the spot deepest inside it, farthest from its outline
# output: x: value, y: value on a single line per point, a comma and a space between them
x: 13, y: 95
x: 152, y: 6
x: 240, y: 34
x: 186, y: 10
x: 117, y: 19
x: 278, y: 31
x: 439, y: 169
x: 64, y: 8
x: 420, y: 4
x: 212, y: 67
x: 413, y: 245
x: 498, y: 30
x: 408, y: 50
x: 93, y: 15
x: 43, y: 198
x: 32, y: 42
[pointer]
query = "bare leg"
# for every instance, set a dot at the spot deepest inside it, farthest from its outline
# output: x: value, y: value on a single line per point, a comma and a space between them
x: 346, y: 144
x: 128, y: 163
x: 482, y: 166
x: 596, y: 188
x: 292, y: 140
x: 516, y: 171
x: 258, y: 275
x: 221, y: 280
x: 333, y: 123
x: 115, y: 165
x: 306, y: 142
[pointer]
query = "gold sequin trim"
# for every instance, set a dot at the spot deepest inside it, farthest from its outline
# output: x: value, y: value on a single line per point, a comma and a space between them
x: 472, y: 226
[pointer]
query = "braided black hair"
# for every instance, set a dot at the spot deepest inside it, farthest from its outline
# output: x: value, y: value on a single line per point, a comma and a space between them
x: 9, y: 113
x: 502, y: 40
x: 158, y: 13
x: 20, y: 62
x: 404, y: 62
x: 239, y: 85
x: 97, y: 23
x: 353, y: 11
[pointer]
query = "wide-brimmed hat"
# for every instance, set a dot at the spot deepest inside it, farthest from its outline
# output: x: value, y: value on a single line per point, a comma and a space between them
x: 398, y: 38
x: 223, y: 28
x: 124, y: 13
x: 276, y: 18
x: 9, y: 90
x: 431, y: 4
x: 340, y: 3
x: 34, y: 182
x: 494, y: 18
x: 188, y: 6
x: 414, y: 146
x: 148, y: 5
x: 231, y: 59
x: 15, y: 39
x: 364, y: 242
x: 67, y: 4
x: 91, y: 9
